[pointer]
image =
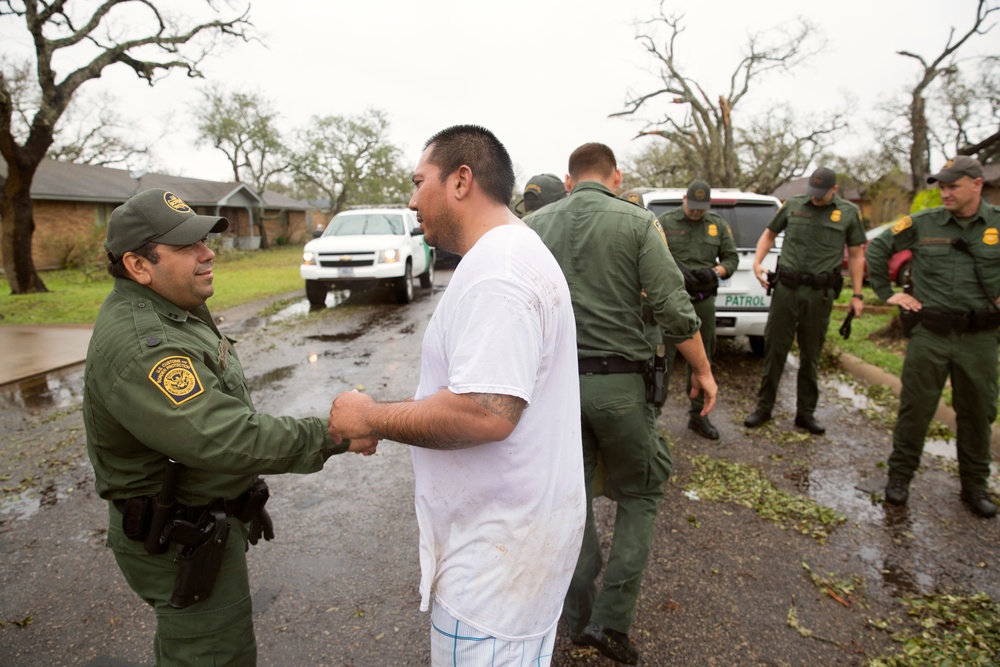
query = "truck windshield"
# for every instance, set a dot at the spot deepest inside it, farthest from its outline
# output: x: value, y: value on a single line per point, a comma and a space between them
x: 746, y: 219
x: 360, y: 224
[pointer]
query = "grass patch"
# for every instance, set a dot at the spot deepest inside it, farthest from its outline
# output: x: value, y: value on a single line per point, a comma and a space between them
x: 944, y: 630
x: 715, y: 479
x: 75, y: 295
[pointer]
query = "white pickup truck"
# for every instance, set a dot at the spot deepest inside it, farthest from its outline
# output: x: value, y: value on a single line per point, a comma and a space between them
x: 365, y: 248
x: 742, y: 305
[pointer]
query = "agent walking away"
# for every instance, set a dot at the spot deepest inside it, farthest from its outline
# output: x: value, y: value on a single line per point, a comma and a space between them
x: 817, y: 225
x: 703, y: 246
x: 174, y: 439
x: 610, y: 251
x: 951, y: 320
x: 495, y: 423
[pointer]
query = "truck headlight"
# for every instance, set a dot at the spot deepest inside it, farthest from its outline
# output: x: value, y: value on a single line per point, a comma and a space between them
x: 390, y: 256
x: 308, y: 258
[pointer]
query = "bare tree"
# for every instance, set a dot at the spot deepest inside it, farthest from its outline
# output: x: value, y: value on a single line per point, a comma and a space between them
x: 162, y: 42
x: 93, y: 132
x: 704, y: 129
x: 243, y: 126
x: 917, y: 113
x: 659, y: 164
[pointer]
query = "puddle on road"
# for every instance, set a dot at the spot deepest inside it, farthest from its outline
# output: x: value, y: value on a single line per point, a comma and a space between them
x: 270, y: 379
x: 337, y: 337
x: 60, y: 389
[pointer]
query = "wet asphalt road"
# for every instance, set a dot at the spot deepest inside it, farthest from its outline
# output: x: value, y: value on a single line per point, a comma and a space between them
x: 339, y: 584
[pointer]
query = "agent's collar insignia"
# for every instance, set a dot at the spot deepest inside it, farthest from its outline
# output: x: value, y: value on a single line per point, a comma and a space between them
x: 177, y: 379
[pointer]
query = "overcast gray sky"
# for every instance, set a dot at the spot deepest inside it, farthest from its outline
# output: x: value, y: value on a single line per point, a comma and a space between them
x: 542, y: 74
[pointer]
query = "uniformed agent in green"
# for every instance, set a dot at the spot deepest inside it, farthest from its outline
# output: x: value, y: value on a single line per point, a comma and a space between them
x: 162, y: 384
x: 541, y: 190
x: 610, y: 252
x: 817, y: 225
x: 702, y: 243
x: 952, y: 318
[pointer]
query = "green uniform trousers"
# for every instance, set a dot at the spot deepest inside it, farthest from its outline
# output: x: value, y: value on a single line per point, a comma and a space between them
x: 971, y: 361
x: 705, y: 310
x: 801, y: 312
x: 214, y: 632
x: 619, y: 424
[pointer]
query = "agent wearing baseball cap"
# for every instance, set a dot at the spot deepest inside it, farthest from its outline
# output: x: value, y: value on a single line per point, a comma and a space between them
x: 952, y: 318
x: 174, y: 439
x: 541, y: 190
x: 704, y: 249
x: 817, y: 225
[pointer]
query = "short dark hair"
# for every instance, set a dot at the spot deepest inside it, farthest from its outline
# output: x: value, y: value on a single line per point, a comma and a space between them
x: 480, y: 150
x: 117, y: 268
x: 592, y: 158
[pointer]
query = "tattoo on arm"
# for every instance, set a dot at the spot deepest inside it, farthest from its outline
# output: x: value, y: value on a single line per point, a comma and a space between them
x: 507, y: 407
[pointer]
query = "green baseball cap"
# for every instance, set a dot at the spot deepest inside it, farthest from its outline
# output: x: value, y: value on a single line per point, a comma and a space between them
x: 820, y: 182
x: 160, y: 216
x: 956, y: 168
x: 541, y: 190
x: 699, y: 196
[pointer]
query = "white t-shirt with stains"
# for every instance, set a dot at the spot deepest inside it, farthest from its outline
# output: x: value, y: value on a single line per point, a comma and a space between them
x: 501, y: 524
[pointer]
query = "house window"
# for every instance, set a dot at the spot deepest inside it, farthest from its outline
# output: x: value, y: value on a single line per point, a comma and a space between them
x: 102, y: 214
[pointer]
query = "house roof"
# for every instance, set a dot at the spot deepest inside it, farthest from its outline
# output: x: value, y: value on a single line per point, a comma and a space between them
x: 65, y: 181
x: 798, y: 187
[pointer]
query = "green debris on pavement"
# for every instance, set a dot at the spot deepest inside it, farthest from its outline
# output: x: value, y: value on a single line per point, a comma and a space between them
x: 944, y: 630
x: 724, y: 481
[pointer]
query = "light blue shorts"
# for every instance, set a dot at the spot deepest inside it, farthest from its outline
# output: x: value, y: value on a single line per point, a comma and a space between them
x: 457, y: 644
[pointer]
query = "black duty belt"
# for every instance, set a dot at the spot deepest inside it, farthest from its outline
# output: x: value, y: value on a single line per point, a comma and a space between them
x: 606, y: 365
x: 238, y: 507
x: 943, y: 323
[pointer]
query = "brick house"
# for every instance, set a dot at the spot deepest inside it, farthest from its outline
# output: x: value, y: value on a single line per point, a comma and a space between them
x: 72, y: 204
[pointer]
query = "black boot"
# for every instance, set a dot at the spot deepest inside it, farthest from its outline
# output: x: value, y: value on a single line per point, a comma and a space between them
x: 979, y: 502
x: 809, y: 423
x: 897, y: 491
x: 613, y: 644
x: 703, y: 427
x: 757, y: 418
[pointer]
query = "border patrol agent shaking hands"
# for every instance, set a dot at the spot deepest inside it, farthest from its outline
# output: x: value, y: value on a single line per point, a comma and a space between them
x: 951, y: 320
x: 174, y: 438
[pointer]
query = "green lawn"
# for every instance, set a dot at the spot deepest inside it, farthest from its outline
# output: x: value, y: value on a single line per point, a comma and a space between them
x: 75, y: 295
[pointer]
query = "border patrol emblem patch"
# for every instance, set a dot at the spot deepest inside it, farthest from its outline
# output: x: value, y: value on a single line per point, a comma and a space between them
x: 659, y: 228
x: 903, y: 224
x: 177, y: 378
x: 713, y: 230
x: 835, y: 216
x: 991, y: 236
x: 176, y: 203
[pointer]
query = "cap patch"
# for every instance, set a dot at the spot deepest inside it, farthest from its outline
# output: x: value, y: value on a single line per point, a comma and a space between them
x: 949, y: 164
x: 177, y: 379
x: 176, y: 203
x: 634, y: 198
x: 903, y: 224
x: 531, y: 187
x: 991, y: 236
x: 713, y: 230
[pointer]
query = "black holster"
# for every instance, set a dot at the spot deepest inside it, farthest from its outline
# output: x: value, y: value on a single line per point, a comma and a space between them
x: 655, y: 376
x: 200, y: 548
x: 772, y: 281
x: 907, y: 320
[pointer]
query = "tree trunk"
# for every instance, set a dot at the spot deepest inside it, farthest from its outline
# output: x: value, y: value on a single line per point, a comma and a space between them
x: 264, y: 244
x: 920, y: 151
x: 18, y: 222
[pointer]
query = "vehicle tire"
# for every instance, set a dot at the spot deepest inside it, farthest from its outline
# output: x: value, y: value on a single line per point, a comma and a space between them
x: 904, y: 277
x: 756, y: 345
x: 427, y: 277
x: 316, y: 292
x: 404, y: 285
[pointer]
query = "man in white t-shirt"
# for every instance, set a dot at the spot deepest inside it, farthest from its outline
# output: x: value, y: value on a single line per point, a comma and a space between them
x: 495, y: 422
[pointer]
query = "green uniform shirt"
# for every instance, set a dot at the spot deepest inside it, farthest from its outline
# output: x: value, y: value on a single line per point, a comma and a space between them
x: 815, y: 235
x: 944, y: 278
x: 161, y: 382
x: 610, y: 251
x: 700, y: 244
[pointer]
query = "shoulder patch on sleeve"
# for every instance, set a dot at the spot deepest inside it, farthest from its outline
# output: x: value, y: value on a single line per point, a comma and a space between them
x: 176, y: 378
x: 902, y: 224
x: 659, y: 228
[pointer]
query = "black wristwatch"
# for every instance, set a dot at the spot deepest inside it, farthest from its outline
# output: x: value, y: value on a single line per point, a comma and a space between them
x: 859, y: 296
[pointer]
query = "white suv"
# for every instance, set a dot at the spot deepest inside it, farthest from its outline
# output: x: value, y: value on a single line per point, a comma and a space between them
x: 742, y: 304
x: 363, y: 248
